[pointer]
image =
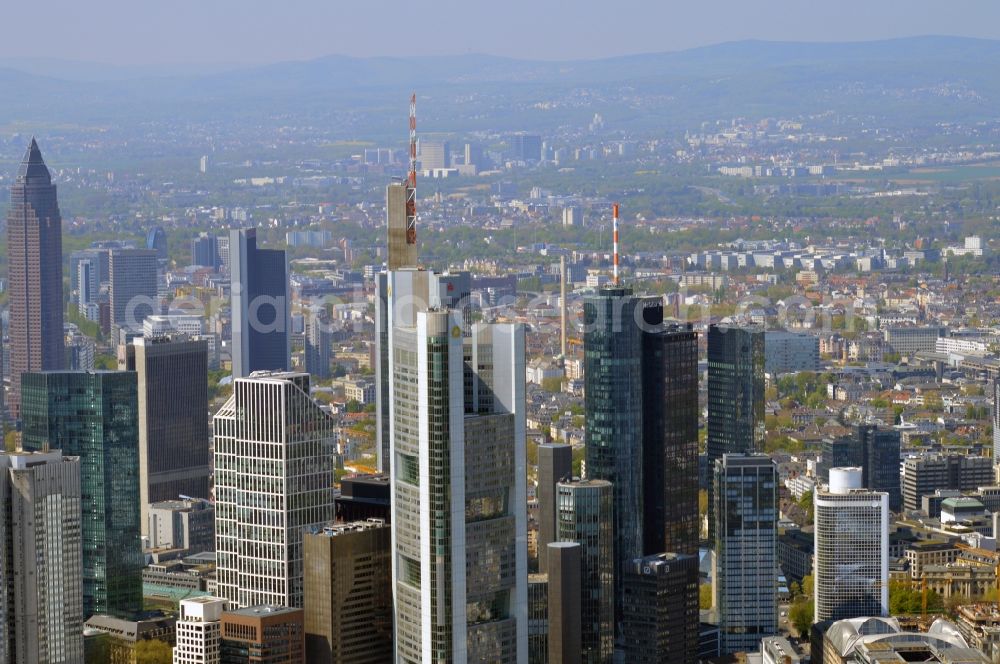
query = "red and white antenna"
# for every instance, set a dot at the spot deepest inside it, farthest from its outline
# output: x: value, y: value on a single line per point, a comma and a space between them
x: 411, y: 189
x: 614, y: 216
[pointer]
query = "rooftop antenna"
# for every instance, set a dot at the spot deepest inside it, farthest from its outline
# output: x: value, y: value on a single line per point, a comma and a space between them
x: 614, y: 218
x: 411, y: 189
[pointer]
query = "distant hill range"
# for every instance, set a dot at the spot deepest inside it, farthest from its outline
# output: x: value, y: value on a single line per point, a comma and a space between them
x: 918, y: 81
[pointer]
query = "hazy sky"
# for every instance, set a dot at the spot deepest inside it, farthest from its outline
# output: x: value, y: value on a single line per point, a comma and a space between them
x: 254, y: 31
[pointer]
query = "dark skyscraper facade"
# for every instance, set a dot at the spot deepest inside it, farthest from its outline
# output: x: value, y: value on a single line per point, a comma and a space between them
x: 585, y: 510
x: 555, y: 464
x: 260, y: 305
x: 173, y: 428
x: 881, y: 462
x: 660, y: 618
x: 670, y: 440
x: 735, y: 396
x: 94, y: 415
x: 34, y: 268
x: 642, y: 423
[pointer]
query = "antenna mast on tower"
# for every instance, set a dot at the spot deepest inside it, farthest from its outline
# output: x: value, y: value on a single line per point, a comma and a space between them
x: 411, y: 183
x: 614, y: 217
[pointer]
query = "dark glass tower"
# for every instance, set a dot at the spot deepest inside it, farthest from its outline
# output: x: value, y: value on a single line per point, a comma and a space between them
x: 34, y: 267
x: 670, y: 440
x: 94, y: 415
x: 881, y: 461
x: 584, y: 513
x: 735, y: 396
x: 260, y: 305
x: 642, y: 424
x: 660, y: 622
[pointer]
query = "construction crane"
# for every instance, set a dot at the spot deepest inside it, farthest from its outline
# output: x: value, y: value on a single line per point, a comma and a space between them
x: 411, y: 189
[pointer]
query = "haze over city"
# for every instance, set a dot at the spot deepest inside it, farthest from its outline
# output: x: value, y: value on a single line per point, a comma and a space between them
x: 530, y: 333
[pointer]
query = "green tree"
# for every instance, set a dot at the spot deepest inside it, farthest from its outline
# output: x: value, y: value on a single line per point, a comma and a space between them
x: 153, y: 651
x: 800, y: 614
x: 553, y: 384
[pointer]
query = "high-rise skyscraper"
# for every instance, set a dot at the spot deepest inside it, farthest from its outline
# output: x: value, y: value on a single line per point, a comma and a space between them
x: 348, y: 598
x: 273, y: 482
x: 555, y: 464
x: 881, y: 463
x: 94, y: 415
x: 564, y: 602
x: 670, y: 440
x: 851, y: 568
x: 156, y: 239
x: 199, y: 630
x: 735, y: 396
x: 34, y: 271
x: 319, y: 342
x: 996, y: 420
x: 401, y: 252
x: 172, y: 378
x: 412, y: 290
x: 133, y: 287
x: 458, y: 472
x: 660, y: 615
x: 434, y: 155
x: 642, y: 423
x: 746, y: 574
x: 41, y: 591
x: 585, y: 517
x: 261, y: 309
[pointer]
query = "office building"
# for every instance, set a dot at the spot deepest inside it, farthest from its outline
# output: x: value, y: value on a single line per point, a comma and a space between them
x: 260, y: 305
x: 187, y: 524
x: 400, y: 204
x: 41, y: 590
x: 263, y: 635
x: 555, y: 464
x: 572, y: 216
x: 586, y: 517
x: 412, y: 290
x: 735, y: 397
x: 199, y: 630
x: 162, y: 326
x: 319, y: 344
x: 538, y: 618
x: 172, y: 377
x: 156, y: 240
x: 746, y: 565
x: 274, y: 450
x: 34, y: 273
x: 362, y: 497
x: 790, y: 352
x: 564, y: 602
x: 660, y: 609
x: 348, y: 596
x: 474, y: 156
x: 852, y: 548
x: 458, y: 472
x: 205, y: 251
x: 996, y: 420
x: 94, y: 416
x: 434, y: 155
x: 670, y: 440
x: 122, y: 636
x: 89, y: 285
x: 526, y: 147
x: 924, y: 475
x: 133, y: 287
x: 908, y: 341
x: 839, y: 452
x: 881, y: 461
x: 641, y: 409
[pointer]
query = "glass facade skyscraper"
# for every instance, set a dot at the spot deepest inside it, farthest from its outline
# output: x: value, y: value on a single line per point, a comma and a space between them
x: 458, y: 468
x: 641, y: 408
x: 746, y: 583
x: 735, y: 396
x: 261, y: 308
x: 584, y: 516
x: 94, y: 415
